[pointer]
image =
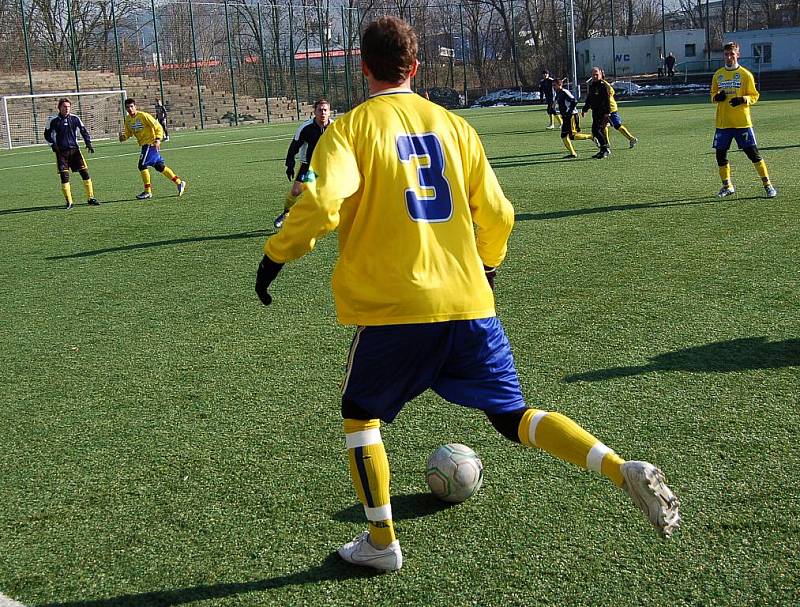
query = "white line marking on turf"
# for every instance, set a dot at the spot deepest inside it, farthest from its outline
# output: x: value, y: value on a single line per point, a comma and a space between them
x: 7, y: 602
x: 171, y: 149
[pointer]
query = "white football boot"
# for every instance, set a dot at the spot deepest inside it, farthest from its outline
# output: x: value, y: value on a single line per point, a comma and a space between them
x: 648, y: 489
x: 361, y: 552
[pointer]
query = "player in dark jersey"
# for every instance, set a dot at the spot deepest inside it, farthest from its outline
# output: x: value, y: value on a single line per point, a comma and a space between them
x: 599, y: 101
x: 570, y: 123
x: 62, y: 134
x: 304, y: 141
x: 547, y: 95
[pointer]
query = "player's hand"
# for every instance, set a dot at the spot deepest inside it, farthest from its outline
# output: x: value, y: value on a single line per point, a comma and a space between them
x: 736, y: 101
x: 491, y: 273
x: 290, y: 171
x: 267, y: 271
x: 157, y: 145
x: 720, y: 96
x: 54, y: 147
x: 121, y: 136
x: 90, y: 147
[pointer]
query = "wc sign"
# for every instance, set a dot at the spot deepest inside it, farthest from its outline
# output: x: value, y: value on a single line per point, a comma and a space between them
x: 623, y: 57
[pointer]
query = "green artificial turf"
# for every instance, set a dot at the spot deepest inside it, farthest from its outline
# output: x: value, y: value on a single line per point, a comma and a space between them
x: 166, y: 440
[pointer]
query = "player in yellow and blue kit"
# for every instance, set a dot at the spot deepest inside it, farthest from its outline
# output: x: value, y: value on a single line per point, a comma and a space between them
x: 733, y: 89
x: 422, y: 224
x: 149, y: 134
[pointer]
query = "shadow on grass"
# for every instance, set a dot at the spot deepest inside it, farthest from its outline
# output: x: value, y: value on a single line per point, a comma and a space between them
x: 331, y: 569
x: 611, y: 208
x: 744, y: 354
x: 57, y: 207
x: 404, y: 507
x: 163, y: 243
x: 521, y: 156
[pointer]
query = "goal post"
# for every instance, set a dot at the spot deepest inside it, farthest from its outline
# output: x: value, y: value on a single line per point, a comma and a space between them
x: 24, y: 117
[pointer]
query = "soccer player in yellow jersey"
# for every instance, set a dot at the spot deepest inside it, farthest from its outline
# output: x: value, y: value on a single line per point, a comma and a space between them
x: 614, y: 118
x: 422, y: 225
x: 733, y: 89
x: 149, y: 134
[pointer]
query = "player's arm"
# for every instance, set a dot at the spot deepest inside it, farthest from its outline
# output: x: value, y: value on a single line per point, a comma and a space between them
x: 155, y: 128
x: 491, y: 211
x: 748, y: 92
x: 48, y: 132
x: 571, y: 102
x: 717, y: 95
x: 126, y: 131
x: 294, y: 147
x: 85, y: 134
x: 317, y: 210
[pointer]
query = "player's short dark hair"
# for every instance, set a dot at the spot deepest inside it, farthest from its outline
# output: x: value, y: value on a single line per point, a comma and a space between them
x: 130, y: 101
x: 545, y: 71
x: 389, y: 49
x: 64, y: 100
x: 731, y: 46
x: 320, y: 101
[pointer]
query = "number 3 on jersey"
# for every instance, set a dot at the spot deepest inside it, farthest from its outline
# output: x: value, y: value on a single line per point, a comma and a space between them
x: 436, y: 202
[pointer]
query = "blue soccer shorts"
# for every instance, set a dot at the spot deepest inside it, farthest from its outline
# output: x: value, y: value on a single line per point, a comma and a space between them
x: 745, y: 138
x: 615, y: 119
x: 466, y: 362
x: 150, y: 157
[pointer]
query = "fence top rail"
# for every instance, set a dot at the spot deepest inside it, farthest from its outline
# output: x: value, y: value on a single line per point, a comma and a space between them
x: 70, y: 93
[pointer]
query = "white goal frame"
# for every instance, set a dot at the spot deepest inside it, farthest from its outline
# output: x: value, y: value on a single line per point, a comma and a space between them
x: 51, y: 111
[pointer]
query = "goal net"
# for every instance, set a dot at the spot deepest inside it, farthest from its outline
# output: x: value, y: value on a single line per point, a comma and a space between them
x: 24, y: 117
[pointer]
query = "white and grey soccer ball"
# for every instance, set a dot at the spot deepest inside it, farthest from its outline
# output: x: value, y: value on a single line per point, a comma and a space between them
x: 454, y: 472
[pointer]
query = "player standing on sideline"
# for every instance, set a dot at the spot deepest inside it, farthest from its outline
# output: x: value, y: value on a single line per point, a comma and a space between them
x: 599, y: 101
x: 422, y: 225
x: 62, y: 134
x: 148, y: 134
x: 570, y: 123
x: 733, y: 89
x: 546, y: 94
x: 161, y: 116
x: 304, y: 141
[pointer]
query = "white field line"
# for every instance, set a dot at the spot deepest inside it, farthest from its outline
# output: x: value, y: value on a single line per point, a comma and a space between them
x: 170, y: 149
x: 7, y: 602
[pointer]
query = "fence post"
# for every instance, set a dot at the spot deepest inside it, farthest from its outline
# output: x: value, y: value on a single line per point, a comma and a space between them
x: 158, y: 52
x: 72, y: 47
x: 116, y: 44
x: 230, y: 65
x: 264, y: 67
x: 613, y: 43
x: 517, y: 81
x: 346, y: 49
x: 308, y: 65
x: 196, y: 67
x: 322, y: 54
x: 292, y: 66
x: 30, y: 71
x: 364, y: 93
x: 463, y: 53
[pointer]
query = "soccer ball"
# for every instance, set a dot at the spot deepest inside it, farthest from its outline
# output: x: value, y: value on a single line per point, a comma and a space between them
x: 454, y: 472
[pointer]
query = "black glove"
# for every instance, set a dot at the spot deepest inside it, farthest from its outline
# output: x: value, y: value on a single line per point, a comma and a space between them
x: 290, y: 171
x: 90, y: 147
x: 736, y: 101
x: 720, y: 96
x: 267, y: 271
x: 54, y: 147
x: 490, y: 275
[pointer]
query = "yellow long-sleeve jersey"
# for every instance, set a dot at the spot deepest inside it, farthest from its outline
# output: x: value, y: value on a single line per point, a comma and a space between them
x: 144, y: 127
x: 418, y: 208
x: 611, y: 101
x: 736, y: 82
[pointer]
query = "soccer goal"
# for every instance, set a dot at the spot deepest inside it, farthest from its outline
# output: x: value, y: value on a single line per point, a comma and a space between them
x: 25, y: 116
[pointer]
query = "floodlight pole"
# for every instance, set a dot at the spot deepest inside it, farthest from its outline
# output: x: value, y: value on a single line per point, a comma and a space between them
x: 30, y: 71
x: 158, y: 52
x: 200, y: 107
x: 613, y: 43
x: 663, y: 39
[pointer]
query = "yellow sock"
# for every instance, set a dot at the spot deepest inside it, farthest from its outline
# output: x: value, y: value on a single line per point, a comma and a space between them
x: 624, y: 130
x: 560, y: 436
x: 87, y: 185
x: 369, y: 470
x: 568, y: 145
x: 560, y: 122
x: 582, y: 136
x: 170, y: 174
x: 761, y: 169
x: 607, y: 139
x: 290, y: 200
x: 146, y: 179
x: 725, y: 174
x: 67, y: 192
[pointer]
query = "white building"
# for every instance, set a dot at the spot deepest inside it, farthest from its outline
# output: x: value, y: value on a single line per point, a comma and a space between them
x: 640, y: 54
x: 778, y: 49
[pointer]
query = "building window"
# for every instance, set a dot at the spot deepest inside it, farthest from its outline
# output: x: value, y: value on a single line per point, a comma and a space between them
x: 763, y: 52
x: 689, y: 50
x: 586, y: 56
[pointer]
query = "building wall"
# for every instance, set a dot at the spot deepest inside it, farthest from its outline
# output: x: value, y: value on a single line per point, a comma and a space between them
x: 785, y: 46
x: 640, y: 54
